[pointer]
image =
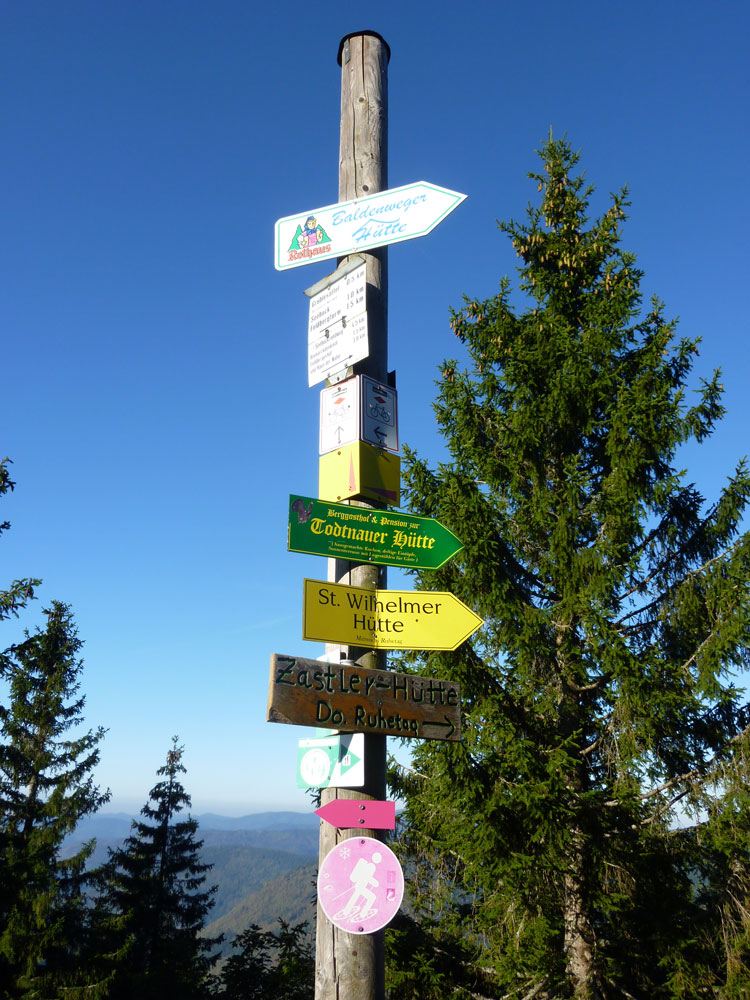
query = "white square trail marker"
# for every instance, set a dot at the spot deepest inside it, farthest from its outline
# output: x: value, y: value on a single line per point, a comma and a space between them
x: 339, y: 415
x: 331, y: 761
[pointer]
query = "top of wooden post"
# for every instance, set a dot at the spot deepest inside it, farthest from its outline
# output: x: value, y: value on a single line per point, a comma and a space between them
x: 355, y: 34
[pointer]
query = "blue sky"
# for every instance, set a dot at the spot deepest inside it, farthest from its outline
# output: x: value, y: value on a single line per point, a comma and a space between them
x: 154, y: 396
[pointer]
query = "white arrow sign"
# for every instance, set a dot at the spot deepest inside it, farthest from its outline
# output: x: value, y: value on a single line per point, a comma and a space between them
x: 387, y: 217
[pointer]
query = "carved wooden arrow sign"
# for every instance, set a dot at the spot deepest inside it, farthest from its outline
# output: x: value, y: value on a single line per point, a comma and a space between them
x: 350, y: 814
x: 355, y: 699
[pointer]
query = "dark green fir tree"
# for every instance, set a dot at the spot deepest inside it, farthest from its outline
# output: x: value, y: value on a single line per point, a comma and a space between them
x: 46, y: 787
x: 590, y: 836
x: 270, y: 965
x: 154, y: 893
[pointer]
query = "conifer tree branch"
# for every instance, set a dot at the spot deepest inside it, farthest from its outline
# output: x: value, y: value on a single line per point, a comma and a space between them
x: 535, y: 989
x: 691, y: 573
x: 688, y: 775
x: 595, y: 744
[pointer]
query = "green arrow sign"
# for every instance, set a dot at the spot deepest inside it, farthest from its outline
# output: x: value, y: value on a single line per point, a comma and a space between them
x: 362, y: 535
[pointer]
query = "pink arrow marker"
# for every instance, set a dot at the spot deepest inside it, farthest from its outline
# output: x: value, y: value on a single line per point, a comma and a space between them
x: 349, y: 814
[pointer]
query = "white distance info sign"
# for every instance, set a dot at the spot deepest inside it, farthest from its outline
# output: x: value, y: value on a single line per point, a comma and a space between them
x: 335, y: 348
x: 341, y: 297
x: 337, y: 328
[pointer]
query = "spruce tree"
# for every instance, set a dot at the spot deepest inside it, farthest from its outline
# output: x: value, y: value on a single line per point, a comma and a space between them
x: 269, y: 965
x: 590, y: 836
x: 46, y: 787
x: 153, y: 889
x: 19, y: 591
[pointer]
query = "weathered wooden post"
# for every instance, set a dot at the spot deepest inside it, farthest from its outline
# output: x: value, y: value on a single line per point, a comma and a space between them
x: 353, y: 612
x: 349, y: 966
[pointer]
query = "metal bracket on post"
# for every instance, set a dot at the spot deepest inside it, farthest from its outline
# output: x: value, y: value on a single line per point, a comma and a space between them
x: 342, y: 376
x: 348, y: 264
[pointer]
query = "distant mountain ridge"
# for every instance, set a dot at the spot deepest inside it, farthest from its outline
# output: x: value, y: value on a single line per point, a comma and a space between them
x: 259, y: 821
x: 263, y: 864
x: 113, y: 825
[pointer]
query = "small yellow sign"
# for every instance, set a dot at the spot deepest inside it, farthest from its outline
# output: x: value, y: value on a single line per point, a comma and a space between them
x: 360, y: 470
x: 385, y: 619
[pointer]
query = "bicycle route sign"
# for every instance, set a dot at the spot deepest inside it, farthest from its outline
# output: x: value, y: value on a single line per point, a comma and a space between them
x: 379, y: 414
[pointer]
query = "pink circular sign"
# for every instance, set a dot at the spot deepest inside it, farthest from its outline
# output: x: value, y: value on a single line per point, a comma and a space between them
x: 360, y: 885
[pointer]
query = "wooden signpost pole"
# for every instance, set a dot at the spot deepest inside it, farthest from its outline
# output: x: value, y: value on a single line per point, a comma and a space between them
x: 352, y: 966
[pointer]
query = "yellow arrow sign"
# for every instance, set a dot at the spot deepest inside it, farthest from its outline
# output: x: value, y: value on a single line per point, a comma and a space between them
x: 385, y: 619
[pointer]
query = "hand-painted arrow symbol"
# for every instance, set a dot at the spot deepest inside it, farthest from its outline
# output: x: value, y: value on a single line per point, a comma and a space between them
x: 348, y: 814
x: 443, y: 725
